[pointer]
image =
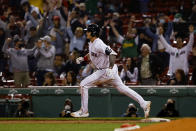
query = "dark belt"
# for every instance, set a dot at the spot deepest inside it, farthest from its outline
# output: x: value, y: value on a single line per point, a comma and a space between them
x: 101, y: 68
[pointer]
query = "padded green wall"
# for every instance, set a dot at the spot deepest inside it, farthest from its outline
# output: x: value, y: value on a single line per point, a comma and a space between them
x: 106, y: 102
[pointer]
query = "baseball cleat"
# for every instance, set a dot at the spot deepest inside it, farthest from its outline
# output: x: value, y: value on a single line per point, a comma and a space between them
x: 147, y: 109
x: 79, y: 114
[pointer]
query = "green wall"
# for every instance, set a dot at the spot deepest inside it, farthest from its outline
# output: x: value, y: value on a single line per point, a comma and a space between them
x: 106, y: 102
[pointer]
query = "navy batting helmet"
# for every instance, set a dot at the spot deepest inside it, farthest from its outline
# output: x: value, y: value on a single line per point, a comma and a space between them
x: 94, y: 29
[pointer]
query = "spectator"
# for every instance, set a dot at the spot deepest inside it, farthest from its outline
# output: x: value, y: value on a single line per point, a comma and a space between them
x: 18, y: 56
x: 59, y: 64
x: 129, y: 44
x: 158, y: 29
x: 82, y: 8
x: 31, y: 40
x: 129, y: 72
x: 23, y: 110
x: 178, y: 18
x: 192, y: 17
x: 45, y: 53
x: 29, y: 9
x: 77, y: 19
x: 180, y: 78
x: 84, y: 72
x: 71, y: 64
x: 68, y: 108
x: 78, y: 39
x: 2, y: 57
x: 107, y: 34
x: 131, y: 111
x: 49, y: 79
x: 179, y: 55
x: 12, y: 27
x: 193, y: 64
x: 157, y: 44
x: 70, y: 79
x: 169, y: 109
x: 32, y: 18
x: 58, y: 35
x: 150, y: 66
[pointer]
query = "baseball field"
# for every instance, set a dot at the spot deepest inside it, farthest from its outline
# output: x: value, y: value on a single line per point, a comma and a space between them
x: 92, y: 124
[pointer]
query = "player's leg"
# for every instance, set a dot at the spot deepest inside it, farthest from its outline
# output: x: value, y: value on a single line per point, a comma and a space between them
x: 118, y: 84
x: 85, y: 84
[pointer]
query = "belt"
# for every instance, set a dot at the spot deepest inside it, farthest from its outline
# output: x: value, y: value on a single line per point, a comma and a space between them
x: 102, y: 68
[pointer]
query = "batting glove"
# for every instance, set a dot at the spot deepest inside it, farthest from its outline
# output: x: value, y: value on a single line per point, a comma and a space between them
x: 79, y: 60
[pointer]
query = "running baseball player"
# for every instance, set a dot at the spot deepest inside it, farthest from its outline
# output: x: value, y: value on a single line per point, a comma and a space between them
x: 103, y: 58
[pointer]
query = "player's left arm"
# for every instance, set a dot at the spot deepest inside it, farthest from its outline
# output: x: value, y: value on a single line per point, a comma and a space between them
x: 112, y: 56
x: 112, y: 59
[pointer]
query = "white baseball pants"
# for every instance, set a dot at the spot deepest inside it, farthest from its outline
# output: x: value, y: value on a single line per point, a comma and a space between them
x: 100, y: 77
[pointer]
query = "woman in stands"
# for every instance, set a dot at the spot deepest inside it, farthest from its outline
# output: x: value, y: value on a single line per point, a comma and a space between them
x: 49, y: 79
x: 129, y: 72
x: 180, y: 78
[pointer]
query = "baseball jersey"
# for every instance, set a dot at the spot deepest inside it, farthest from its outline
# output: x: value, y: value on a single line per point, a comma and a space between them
x: 178, y: 57
x: 97, y: 54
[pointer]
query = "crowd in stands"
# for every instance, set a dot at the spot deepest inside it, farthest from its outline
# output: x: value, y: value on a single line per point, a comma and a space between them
x: 154, y: 40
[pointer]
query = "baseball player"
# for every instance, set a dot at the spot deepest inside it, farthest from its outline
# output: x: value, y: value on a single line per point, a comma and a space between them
x: 103, y: 58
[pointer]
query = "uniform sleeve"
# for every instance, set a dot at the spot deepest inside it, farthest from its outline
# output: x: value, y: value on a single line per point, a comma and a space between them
x: 101, y: 47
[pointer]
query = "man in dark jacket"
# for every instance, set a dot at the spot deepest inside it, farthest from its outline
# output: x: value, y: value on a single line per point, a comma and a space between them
x: 150, y: 66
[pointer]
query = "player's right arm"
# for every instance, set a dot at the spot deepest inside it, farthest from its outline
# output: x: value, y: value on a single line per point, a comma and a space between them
x: 81, y: 59
x: 87, y: 57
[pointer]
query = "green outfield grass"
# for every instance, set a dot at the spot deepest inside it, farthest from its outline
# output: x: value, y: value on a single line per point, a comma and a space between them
x: 109, y: 126
x: 62, y: 127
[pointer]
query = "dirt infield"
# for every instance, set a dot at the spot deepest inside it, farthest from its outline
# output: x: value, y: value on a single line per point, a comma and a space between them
x: 187, y: 124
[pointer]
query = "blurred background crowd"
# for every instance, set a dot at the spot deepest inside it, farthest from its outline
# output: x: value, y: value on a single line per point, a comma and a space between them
x: 41, y: 39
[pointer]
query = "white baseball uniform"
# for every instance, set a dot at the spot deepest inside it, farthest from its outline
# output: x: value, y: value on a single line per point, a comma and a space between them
x: 101, y: 62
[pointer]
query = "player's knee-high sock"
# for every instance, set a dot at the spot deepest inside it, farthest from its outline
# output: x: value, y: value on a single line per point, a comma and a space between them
x: 84, y: 99
x: 132, y: 94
